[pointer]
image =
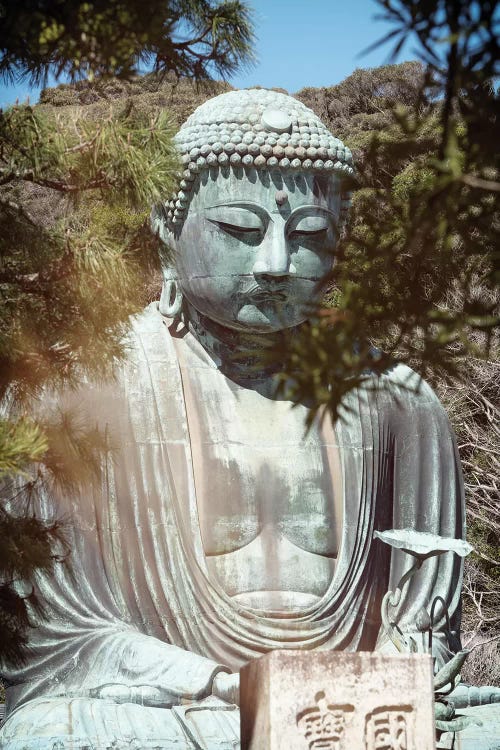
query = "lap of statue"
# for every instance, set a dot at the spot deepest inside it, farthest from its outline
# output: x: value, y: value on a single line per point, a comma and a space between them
x: 92, y: 723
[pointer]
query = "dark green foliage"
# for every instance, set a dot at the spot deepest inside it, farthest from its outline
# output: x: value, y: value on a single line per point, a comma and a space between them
x: 29, y: 546
x: 67, y: 287
x: 75, y: 246
x: 67, y: 290
x: 194, y: 38
x: 417, y: 272
x: 424, y: 219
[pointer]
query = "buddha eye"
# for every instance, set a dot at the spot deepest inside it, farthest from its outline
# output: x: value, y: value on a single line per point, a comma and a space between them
x: 236, y: 221
x: 237, y: 228
x: 296, y: 233
x: 312, y: 227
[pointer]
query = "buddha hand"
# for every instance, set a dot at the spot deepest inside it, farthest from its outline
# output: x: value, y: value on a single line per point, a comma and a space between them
x: 227, y: 687
x: 145, y: 695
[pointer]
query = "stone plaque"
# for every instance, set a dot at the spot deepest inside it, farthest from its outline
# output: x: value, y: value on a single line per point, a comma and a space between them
x: 297, y: 700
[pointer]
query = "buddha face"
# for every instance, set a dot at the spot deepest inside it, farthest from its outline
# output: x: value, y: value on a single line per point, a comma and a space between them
x: 255, y: 244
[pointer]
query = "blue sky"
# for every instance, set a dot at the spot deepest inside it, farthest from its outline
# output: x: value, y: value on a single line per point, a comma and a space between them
x: 314, y: 42
x: 299, y: 43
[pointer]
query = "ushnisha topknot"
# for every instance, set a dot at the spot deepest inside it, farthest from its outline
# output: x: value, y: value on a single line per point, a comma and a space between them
x: 255, y: 129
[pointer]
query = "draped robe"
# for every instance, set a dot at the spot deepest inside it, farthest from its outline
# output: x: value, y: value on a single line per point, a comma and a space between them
x: 137, y: 607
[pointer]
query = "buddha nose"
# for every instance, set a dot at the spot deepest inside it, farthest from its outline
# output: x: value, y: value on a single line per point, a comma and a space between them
x: 273, y: 258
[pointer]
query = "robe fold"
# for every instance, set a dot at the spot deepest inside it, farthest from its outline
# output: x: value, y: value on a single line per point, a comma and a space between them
x: 136, y: 608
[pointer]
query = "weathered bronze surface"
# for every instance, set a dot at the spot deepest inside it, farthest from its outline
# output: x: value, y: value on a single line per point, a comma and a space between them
x: 220, y: 531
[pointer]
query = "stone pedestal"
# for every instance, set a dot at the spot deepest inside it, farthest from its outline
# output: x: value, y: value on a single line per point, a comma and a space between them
x: 296, y: 700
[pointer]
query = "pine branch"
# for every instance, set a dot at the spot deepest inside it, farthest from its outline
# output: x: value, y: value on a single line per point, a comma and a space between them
x: 113, y: 38
x: 59, y: 185
x: 21, y: 442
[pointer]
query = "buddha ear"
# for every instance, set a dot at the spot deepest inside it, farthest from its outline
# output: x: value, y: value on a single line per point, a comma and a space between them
x: 158, y: 224
x: 170, y: 304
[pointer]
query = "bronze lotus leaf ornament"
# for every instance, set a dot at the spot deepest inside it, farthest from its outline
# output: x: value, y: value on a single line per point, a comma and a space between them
x: 422, y: 544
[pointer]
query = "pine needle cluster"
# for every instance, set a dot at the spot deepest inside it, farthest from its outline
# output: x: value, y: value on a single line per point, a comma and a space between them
x: 67, y: 289
x: 416, y: 276
x: 70, y: 279
x: 425, y: 215
x: 193, y: 38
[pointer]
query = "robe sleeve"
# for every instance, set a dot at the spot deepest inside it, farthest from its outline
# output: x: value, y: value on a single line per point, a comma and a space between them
x: 428, y: 496
x: 84, y: 648
x: 128, y: 666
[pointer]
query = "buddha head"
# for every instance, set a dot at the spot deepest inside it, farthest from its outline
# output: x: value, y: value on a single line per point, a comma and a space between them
x: 254, y: 225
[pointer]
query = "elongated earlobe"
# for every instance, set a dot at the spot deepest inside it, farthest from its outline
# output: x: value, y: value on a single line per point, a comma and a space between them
x: 171, y: 296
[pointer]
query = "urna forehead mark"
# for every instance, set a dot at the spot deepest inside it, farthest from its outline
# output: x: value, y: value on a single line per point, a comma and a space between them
x: 281, y: 197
